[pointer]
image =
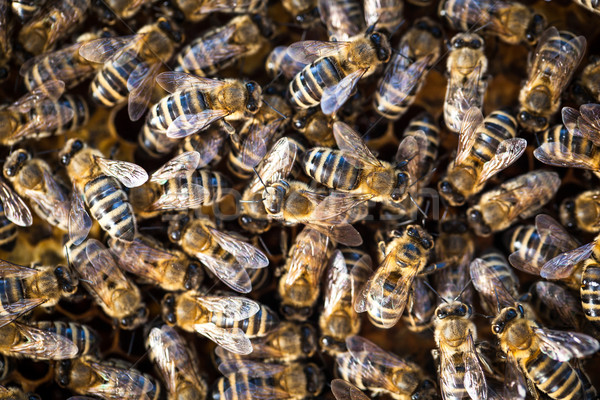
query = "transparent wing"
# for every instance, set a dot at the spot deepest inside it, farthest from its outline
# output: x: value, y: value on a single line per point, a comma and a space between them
x: 255, y: 145
x: 231, y: 339
x: 246, y: 254
x: 277, y: 164
x: 227, y: 6
x: 129, y: 174
x: 10, y: 312
x: 250, y: 368
x: 558, y: 155
x: 262, y: 391
x: 468, y: 133
x: 137, y: 258
x: 232, y: 274
x: 43, y: 121
x: 310, y: 50
x: 43, y: 345
x: 338, y: 20
x: 182, y: 198
x: 188, y: 124
x: 350, y: 141
x: 564, y: 346
x: 570, y: 117
x: 559, y: 300
x: 181, y: 164
x: 216, y: 53
x: 309, y: 256
x: 140, y: 85
x: 343, y: 390
x: 335, y: 96
x: 334, y: 208
x: 562, y: 266
x: 589, y: 122
x: 344, y: 234
x: 49, y: 90
x: 10, y: 270
x: 554, y: 233
x: 514, y: 387
x: 15, y: 208
x: 474, y: 379
x: 173, y: 82
x: 235, y: 308
x: 338, y: 282
x: 398, y: 83
x: 120, y: 383
x: 53, y: 199
x: 80, y: 222
x: 488, y: 283
x: 104, y: 49
x: 507, y: 153
x: 373, y: 355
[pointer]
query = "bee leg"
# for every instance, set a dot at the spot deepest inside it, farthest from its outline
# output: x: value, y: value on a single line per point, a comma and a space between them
x: 227, y: 127
x: 533, y: 390
x: 431, y: 268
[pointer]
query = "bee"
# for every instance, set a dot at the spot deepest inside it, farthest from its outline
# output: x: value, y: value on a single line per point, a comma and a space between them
x: 145, y: 257
x: 369, y: 367
x: 280, y: 62
x: 99, y: 180
x: 551, y: 67
x: 106, y: 379
x: 349, y: 269
x: 130, y: 65
x: 486, y: 147
x: 540, y: 354
x: 299, y: 284
x: 589, y: 5
x: 32, y: 178
x: 510, y: 21
x: 20, y: 340
x: 176, y: 363
x: 195, y: 103
x: 343, y: 390
x: 24, y: 288
x: 290, y: 341
x: 220, y: 47
x: 556, y: 305
x: 118, y: 297
x: 195, y: 10
x: 467, y: 68
x: 226, y: 256
x: 519, y: 197
x: 210, y: 144
x: 343, y: 18
x: 53, y: 22
x: 405, y: 74
x: 387, y: 15
x: 228, y: 321
x: 420, y: 307
x: 42, y: 113
x: 582, y: 211
x: 334, y: 69
x: 121, y: 9
x: 83, y: 337
x: 314, y: 126
x: 304, y: 12
x: 460, y: 371
x: 385, y: 294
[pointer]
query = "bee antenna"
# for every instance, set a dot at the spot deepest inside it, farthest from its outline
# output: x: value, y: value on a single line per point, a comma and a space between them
x: 398, y: 52
x: 47, y: 152
x: 274, y: 79
x: 483, y: 315
x: 423, y: 177
x: 264, y: 246
x: 417, y: 205
x: 497, y: 300
x: 274, y: 109
x: 426, y: 283
x: 258, y: 175
x: 463, y: 289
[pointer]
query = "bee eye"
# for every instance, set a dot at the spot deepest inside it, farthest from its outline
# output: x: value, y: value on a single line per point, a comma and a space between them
x: 436, y: 32
x: 426, y: 243
x: 541, y: 121
x: 445, y: 187
x: 524, y: 116
x: 475, y: 216
x: 475, y: 44
x: 422, y: 25
x: 21, y: 157
x: 521, y: 310
x: 511, y: 314
x: 376, y: 38
x: 462, y: 310
x: 77, y: 145
x: 10, y: 171
x: 498, y: 328
x: 175, y: 236
x: 412, y: 232
x: 458, y: 43
x: 441, y: 314
x: 250, y: 86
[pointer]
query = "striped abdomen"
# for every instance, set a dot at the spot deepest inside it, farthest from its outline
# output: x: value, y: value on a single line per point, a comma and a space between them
x: 384, y: 316
x: 57, y: 110
x: 463, y: 15
x: 330, y: 168
x: 306, y: 89
x: 108, y: 204
x: 156, y: 143
x: 200, y: 49
x: 504, y: 272
x: 109, y: 87
x: 243, y: 387
x: 84, y: 338
x: 12, y: 290
x: 169, y: 108
x: 531, y: 246
x: 578, y: 145
x: 71, y: 65
x: 261, y: 323
x: 424, y: 122
x: 590, y: 290
x: 8, y: 232
x: 557, y: 379
x: 215, y: 186
x: 455, y: 389
x: 420, y: 307
x: 235, y: 161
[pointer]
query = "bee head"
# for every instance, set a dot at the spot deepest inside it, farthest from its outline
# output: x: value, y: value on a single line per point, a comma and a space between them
x: 194, y: 275
x: 450, y: 193
x: 417, y: 234
x: 568, y: 214
x: 170, y: 29
x: 453, y: 309
x: 15, y: 162
x: 168, y: 309
x: 535, y: 29
x: 381, y: 44
x: 314, y: 379
x: 65, y: 280
x: 466, y: 40
x: 63, y: 372
x: 308, y: 340
x: 274, y: 197
x: 507, y: 315
x: 477, y: 223
x: 254, y: 225
x: 254, y: 97
x: 532, y: 123
x: 72, y: 147
x: 402, y: 180
x: 295, y: 313
x: 135, y: 319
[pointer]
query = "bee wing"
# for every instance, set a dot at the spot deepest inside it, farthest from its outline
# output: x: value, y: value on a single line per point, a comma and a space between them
x: 262, y: 391
x: 564, y: 346
x: 250, y: 368
x: 181, y: 164
x: 449, y: 381
x: 232, y: 274
x: 487, y: 282
x: 120, y: 383
x: 103, y: 49
x: 589, y: 122
x: 80, y: 222
x: 188, y: 124
x: 53, y: 62
x: 341, y: 233
x: 277, y: 164
x: 507, y: 153
x: 44, y: 345
x: 514, y: 381
x: 57, y: 204
x: 309, y: 256
x: 173, y: 81
x: 554, y: 232
x: 235, y: 308
x: 214, y: 52
x: 408, y: 151
x: 334, y: 208
x: 343, y: 390
x: 562, y: 266
x: 560, y: 300
x: 335, y: 96
x: 246, y: 254
x: 10, y: 270
x: 227, y: 6
x: 401, y: 81
x: 10, y: 312
x: 474, y: 379
x: 140, y: 84
x: 557, y: 154
x: 45, y: 122
x: 349, y: 140
x: 129, y: 174
x: 336, y: 18
x: 468, y: 133
x: 182, y: 198
x: 570, y: 117
x: 231, y: 339
x: 49, y: 90
x: 338, y: 282
x: 15, y: 208
x: 255, y: 144
x: 137, y: 258
x: 310, y: 50
x: 373, y: 355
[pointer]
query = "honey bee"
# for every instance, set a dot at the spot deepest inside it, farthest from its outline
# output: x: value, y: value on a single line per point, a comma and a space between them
x: 343, y: 390
x: 82, y: 336
x: 32, y: 178
x: 280, y: 62
x: 556, y: 305
x: 53, y: 22
x: 246, y: 380
x: 556, y: 57
x: 299, y: 284
x: 209, y: 144
x: 304, y: 12
x: 510, y: 21
x: 289, y: 341
x: 486, y: 147
x: 344, y: 18
x: 420, y: 307
x: 220, y: 47
x: 195, y: 103
x: 522, y: 196
x: 169, y: 269
x: 176, y: 363
x: 460, y: 371
x: 105, y: 379
x: 314, y: 126
x: 369, y: 367
x: 341, y: 64
x: 42, y: 113
x: 24, y: 288
x: 387, y: 14
x: 118, y: 297
x: 540, y: 354
x: 385, y: 294
x: 99, y: 180
x: 121, y: 9
x: 467, y: 68
x: 130, y: 65
x: 228, y: 321
x: 406, y: 71
x: 582, y: 211
x: 20, y: 340
x: 589, y: 5
x: 195, y: 10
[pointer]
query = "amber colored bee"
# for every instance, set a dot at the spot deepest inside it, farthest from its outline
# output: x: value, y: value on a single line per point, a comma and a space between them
x: 343, y: 390
x: 83, y: 337
x: 582, y: 211
x: 552, y: 65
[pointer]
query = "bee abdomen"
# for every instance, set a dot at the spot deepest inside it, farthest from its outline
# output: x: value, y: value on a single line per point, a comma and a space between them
x: 306, y: 89
x: 330, y: 168
x: 12, y: 290
x: 109, y: 87
x: 84, y: 338
x: 156, y: 143
x: 590, y: 291
x: 557, y: 379
x: 215, y: 185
